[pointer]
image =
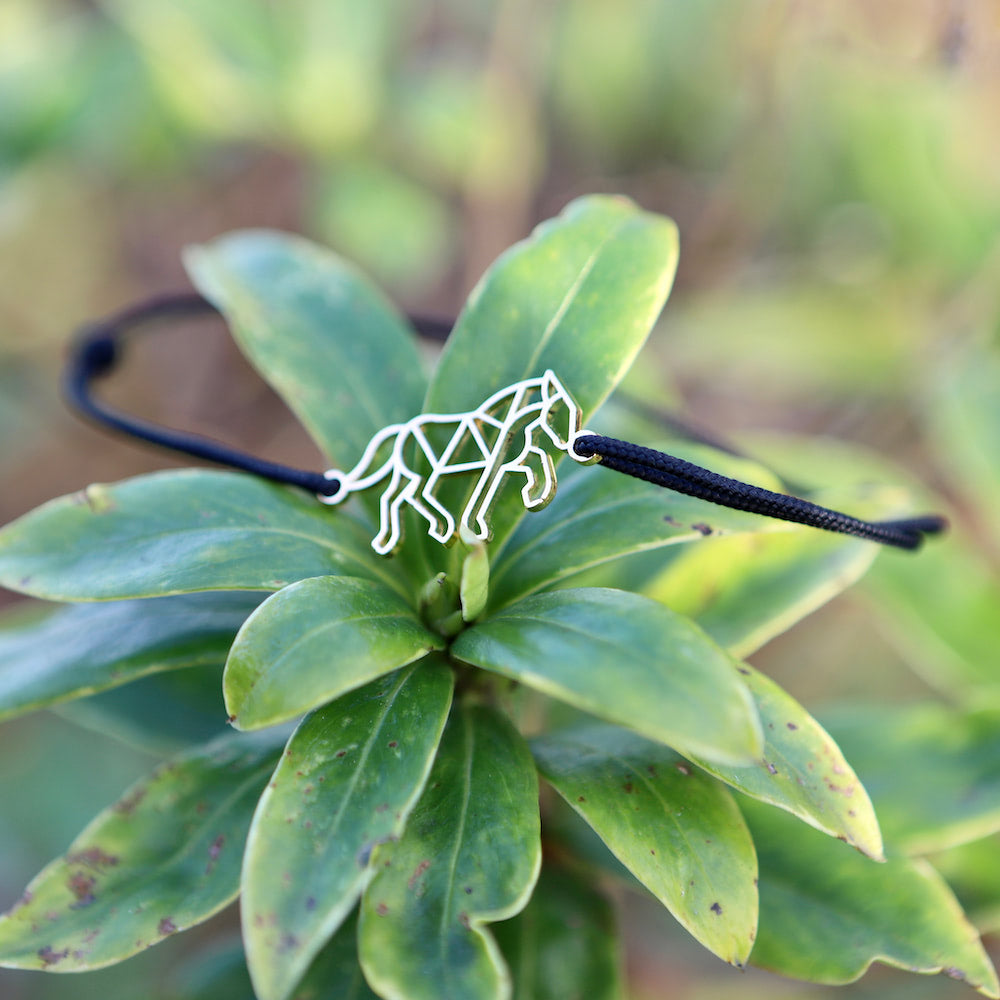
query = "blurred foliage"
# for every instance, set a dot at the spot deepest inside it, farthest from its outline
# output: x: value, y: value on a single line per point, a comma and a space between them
x: 831, y: 165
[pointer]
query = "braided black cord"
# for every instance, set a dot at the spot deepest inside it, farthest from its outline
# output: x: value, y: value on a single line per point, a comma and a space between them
x: 684, y: 477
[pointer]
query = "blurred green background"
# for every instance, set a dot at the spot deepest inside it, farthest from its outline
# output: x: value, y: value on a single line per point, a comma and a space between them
x: 833, y: 170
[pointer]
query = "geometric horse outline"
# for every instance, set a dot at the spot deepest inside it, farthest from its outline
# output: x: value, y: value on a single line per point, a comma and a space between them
x: 502, y: 436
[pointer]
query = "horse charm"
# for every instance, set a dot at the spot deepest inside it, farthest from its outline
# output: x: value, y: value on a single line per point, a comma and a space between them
x: 496, y: 440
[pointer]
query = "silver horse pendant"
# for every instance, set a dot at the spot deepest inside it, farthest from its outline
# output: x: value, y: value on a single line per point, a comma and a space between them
x: 480, y: 442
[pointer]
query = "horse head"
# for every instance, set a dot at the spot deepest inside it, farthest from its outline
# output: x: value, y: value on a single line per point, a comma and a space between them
x: 561, y: 417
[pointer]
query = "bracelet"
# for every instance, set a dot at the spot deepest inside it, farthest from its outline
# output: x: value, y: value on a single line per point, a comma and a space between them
x: 503, y: 436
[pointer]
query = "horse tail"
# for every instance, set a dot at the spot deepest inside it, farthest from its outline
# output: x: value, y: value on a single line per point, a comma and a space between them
x: 362, y: 476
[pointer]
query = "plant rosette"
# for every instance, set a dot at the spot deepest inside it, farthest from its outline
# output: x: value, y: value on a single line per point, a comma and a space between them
x: 377, y: 807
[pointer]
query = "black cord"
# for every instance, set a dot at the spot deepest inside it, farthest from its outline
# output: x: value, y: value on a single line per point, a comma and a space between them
x: 684, y: 477
x: 97, y: 349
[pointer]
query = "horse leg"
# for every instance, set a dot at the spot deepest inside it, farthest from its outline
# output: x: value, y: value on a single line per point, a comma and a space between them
x: 539, y: 486
x: 393, y: 497
x: 441, y: 523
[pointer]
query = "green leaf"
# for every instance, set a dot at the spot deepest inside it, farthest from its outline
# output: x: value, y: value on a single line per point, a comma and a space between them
x: 677, y: 830
x: 320, y: 332
x: 626, y: 659
x: 744, y: 591
x: 470, y: 855
x: 942, y: 617
x: 347, y: 781
x: 76, y: 651
x: 564, y: 944
x: 965, y: 417
x: 163, y: 858
x: 973, y: 872
x: 336, y: 973
x: 314, y: 641
x: 932, y: 772
x: 474, y: 585
x: 598, y: 515
x: 175, y: 532
x: 161, y: 713
x: 579, y: 296
x: 802, y: 770
x: 827, y: 913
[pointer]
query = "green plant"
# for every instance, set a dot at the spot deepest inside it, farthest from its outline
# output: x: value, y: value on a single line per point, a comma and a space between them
x: 594, y: 644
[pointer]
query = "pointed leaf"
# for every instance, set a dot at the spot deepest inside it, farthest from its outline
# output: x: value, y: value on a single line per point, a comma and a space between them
x: 931, y: 771
x: 744, y: 591
x: 314, y: 641
x: 579, y: 296
x: 827, y: 913
x: 73, y: 652
x: 175, y: 532
x: 163, y: 858
x: 319, y: 331
x: 598, y: 515
x: 677, y: 830
x: 347, y: 781
x: 564, y: 944
x: 626, y: 659
x: 802, y: 770
x: 469, y: 856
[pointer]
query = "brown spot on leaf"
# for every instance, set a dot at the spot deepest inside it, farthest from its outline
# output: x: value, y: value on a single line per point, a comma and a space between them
x: 771, y: 769
x: 702, y: 528
x: 166, y: 926
x: 716, y: 908
x: 340, y: 753
x: 393, y: 744
x: 381, y: 909
x: 683, y: 768
x: 581, y: 799
x: 214, y: 850
x: 82, y: 887
x: 463, y: 919
x: 127, y: 805
x: 417, y: 872
x: 50, y: 957
x: 744, y: 671
x: 628, y: 787
x: 792, y: 726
